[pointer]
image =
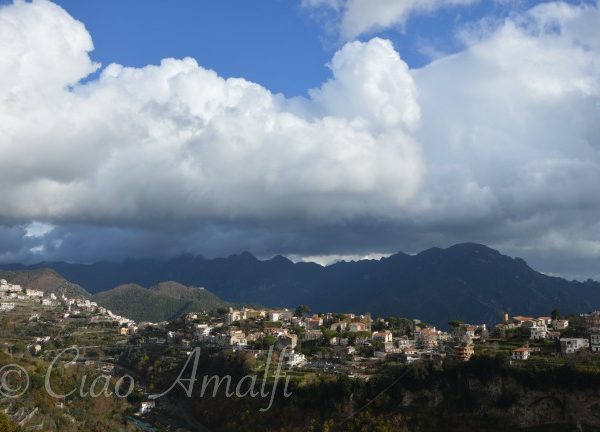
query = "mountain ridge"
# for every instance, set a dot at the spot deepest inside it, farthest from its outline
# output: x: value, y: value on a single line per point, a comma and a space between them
x: 467, y: 281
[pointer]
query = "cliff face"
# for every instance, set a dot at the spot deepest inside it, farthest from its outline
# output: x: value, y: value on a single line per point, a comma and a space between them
x: 529, y: 407
x: 509, y: 402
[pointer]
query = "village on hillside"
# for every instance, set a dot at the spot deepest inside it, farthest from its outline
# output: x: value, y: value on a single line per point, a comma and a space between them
x: 353, y: 345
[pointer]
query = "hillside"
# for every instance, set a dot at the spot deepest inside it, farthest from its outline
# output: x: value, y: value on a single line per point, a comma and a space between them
x: 161, y: 302
x: 45, y: 280
x: 470, y: 282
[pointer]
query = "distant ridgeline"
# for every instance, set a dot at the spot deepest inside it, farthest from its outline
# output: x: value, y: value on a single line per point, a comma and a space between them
x: 468, y: 282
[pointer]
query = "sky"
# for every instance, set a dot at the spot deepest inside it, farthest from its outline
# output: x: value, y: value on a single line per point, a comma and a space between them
x: 315, y: 129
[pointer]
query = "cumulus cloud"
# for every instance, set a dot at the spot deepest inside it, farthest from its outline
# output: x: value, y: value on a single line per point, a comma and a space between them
x: 499, y: 143
x: 370, y: 82
x: 177, y: 142
x: 514, y: 132
x: 519, y: 120
x: 357, y: 17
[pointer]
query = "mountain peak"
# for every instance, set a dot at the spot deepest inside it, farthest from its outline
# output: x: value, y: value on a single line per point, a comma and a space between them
x: 244, y: 257
x: 473, y: 248
x: 280, y: 259
x: 434, y: 251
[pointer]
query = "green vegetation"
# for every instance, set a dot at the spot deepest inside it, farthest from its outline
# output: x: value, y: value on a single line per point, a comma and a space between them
x: 80, y: 413
x: 454, y: 323
x: 302, y: 310
x: 423, y: 397
x: 5, y: 425
x: 160, y: 303
x: 398, y: 326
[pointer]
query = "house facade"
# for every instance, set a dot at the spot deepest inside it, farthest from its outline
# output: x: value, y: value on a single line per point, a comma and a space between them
x: 464, y: 352
x: 573, y: 345
x: 521, y: 354
x: 595, y: 342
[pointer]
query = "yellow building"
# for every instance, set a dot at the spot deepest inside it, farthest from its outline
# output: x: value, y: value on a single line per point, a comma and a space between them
x: 464, y: 352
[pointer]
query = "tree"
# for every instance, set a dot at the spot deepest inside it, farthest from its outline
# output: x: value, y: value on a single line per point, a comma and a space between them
x: 379, y: 326
x: 301, y: 311
x: 327, y: 333
x: 555, y: 314
x: 454, y: 323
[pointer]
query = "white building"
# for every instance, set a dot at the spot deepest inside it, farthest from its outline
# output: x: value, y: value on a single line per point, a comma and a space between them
x: 203, y: 329
x: 280, y: 315
x: 86, y: 304
x: 403, y: 342
x: 7, y: 306
x: 5, y: 287
x: 595, y: 342
x: 312, y: 335
x: 560, y: 324
x: 383, y: 337
x: 147, y: 406
x: 520, y: 354
x: 236, y: 338
x: 294, y: 359
x: 573, y: 345
x: 33, y: 293
x: 463, y: 332
x: 538, y: 332
x: 536, y: 329
x: 235, y: 315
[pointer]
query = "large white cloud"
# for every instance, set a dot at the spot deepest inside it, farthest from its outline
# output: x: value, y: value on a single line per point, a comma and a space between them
x: 499, y: 143
x: 43, y: 50
x: 370, y: 82
x: 357, y: 17
x: 177, y: 142
x: 512, y: 128
x: 517, y: 112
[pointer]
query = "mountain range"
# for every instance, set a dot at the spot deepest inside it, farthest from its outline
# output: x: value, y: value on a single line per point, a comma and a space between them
x: 469, y: 282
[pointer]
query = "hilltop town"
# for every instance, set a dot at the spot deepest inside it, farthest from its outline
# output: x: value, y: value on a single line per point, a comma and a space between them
x: 36, y: 325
